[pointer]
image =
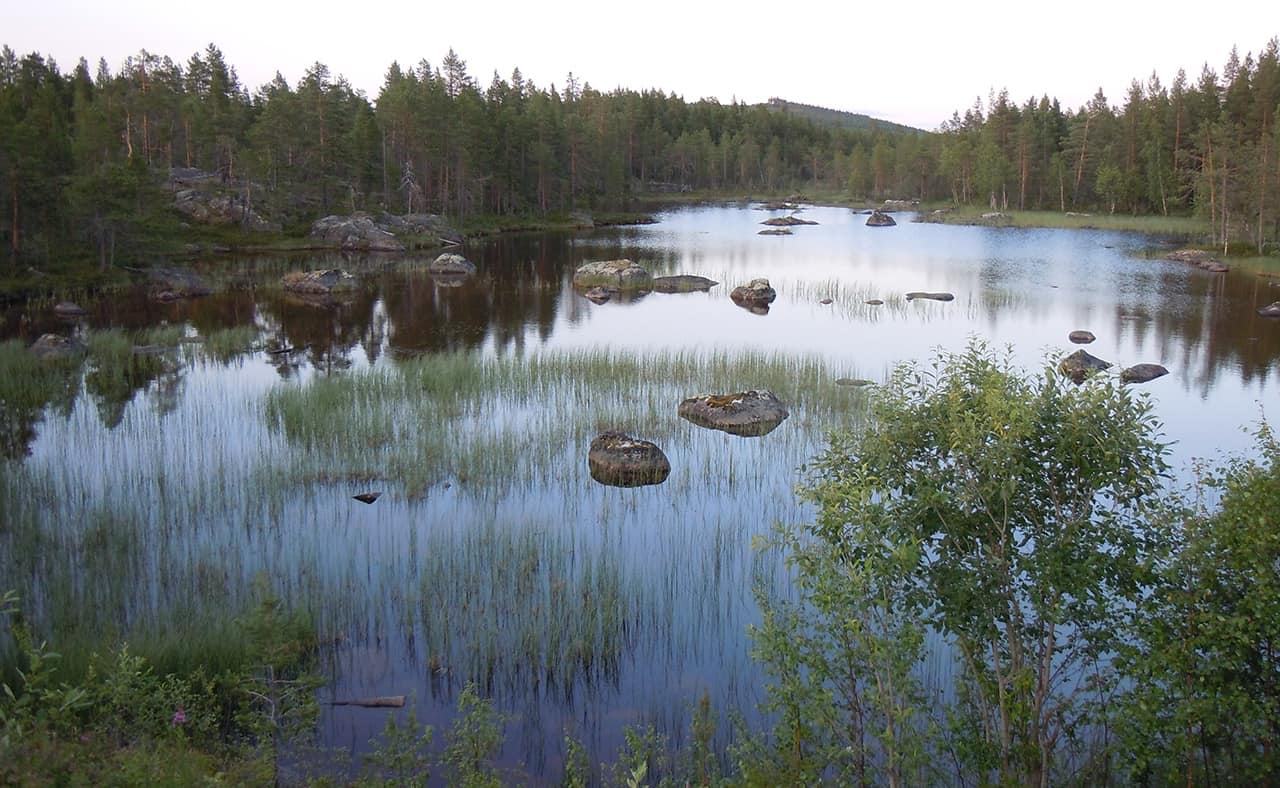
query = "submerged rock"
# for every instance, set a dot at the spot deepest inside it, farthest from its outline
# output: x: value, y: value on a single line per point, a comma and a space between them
x: 174, y: 284
x: 619, y: 460
x: 323, y: 282
x: 931, y: 296
x: 452, y: 264
x: 1080, y: 365
x: 746, y: 413
x: 683, y: 283
x: 880, y: 219
x: 1141, y: 373
x: 757, y: 292
x: 621, y: 274
x: 600, y: 295
x: 1081, y: 337
x: 54, y: 346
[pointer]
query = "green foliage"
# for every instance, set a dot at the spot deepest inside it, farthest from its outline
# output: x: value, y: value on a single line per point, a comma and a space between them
x: 1204, y: 655
x: 474, y: 741
x: 402, y: 755
x: 998, y: 512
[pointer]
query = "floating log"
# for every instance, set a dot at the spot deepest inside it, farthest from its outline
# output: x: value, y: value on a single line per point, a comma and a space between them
x: 385, y: 702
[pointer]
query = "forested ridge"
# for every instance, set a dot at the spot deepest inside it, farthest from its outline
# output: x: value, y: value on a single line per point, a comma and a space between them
x: 85, y: 156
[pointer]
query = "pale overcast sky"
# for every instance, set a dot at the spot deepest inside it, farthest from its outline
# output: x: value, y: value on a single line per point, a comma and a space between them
x: 912, y: 62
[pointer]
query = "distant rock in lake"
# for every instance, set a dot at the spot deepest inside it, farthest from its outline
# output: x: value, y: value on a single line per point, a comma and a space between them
x: 683, y: 283
x: 621, y: 274
x: 321, y: 282
x: 1081, y: 337
x: 1141, y: 373
x: 452, y: 265
x: 1080, y: 365
x: 880, y: 219
x: 757, y: 292
x: 776, y: 231
x: 175, y: 284
x: 787, y: 221
x: 913, y: 295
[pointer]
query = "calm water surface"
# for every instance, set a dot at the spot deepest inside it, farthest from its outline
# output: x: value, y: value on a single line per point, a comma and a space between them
x: 580, y: 609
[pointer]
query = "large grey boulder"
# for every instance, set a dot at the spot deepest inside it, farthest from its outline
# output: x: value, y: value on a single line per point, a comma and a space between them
x: 746, y: 413
x: 622, y: 274
x: 1141, y: 373
x: 619, y: 460
x: 355, y: 233
x: 1080, y: 364
x: 879, y: 219
x: 757, y: 292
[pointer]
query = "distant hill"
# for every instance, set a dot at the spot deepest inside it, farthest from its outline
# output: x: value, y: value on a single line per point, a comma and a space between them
x: 837, y: 118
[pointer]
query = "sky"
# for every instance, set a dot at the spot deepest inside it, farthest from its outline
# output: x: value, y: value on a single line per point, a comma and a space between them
x: 913, y: 62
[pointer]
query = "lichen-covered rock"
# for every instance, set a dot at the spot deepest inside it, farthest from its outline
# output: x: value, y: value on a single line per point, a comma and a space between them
x: 619, y: 460
x: 1080, y: 365
x: 54, y: 346
x: 880, y: 219
x: 355, y: 233
x: 1141, y: 373
x: 683, y: 283
x: 453, y: 264
x: 622, y: 274
x: 1081, y: 337
x: 746, y: 413
x: 757, y: 292
x: 318, y: 282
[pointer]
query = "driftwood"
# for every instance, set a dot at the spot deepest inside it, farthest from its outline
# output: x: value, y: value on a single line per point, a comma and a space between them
x: 385, y: 702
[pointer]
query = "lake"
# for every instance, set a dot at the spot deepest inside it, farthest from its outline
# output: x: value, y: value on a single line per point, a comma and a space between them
x: 146, y: 503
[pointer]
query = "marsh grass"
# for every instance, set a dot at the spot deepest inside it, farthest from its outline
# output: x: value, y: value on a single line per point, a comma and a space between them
x: 1185, y: 226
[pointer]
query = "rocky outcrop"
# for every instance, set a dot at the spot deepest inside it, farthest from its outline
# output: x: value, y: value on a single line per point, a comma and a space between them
x: 1081, y: 337
x: 355, y: 233
x: 996, y: 219
x: 419, y: 226
x: 683, y: 283
x: 1141, y: 373
x: 621, y: 274
x: 53, y: 346
x: 1270, y: 310
x: 900, y: 205
x: 175, y: 284
x: 451, y: 264
x: 746, y: 413
x: 879, y: 219
x: 619, y: 460
x: 1199, y: 258
x: 913, y: 295
x: 1080, y: 364
x: 313, y: 283
x: 757, y: 292
x: 787, y: 221
x: 219, y: 207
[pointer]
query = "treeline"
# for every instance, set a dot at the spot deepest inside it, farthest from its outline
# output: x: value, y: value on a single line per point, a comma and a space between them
x: 83, y: 153
x: 1208, y: 147
x: 84, y: 156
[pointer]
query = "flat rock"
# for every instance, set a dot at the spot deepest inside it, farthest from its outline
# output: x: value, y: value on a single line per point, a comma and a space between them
x: 1270, y: 310
x: 913, y: 295
x: 873, y: 302
x: 683, y: 283
x: 368, y: 497
x: 1080, y: 365
x: 776, y: 231
x: 450, y: 263
x: 757, y: 292
x: 619, y: 460
x: 746, y: 413
x: 1141, y: 373
x: 1081, y: 337
x: 880, y: 219
x: 621, y: 274
x: 321, y: 282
